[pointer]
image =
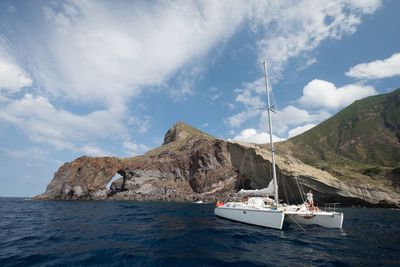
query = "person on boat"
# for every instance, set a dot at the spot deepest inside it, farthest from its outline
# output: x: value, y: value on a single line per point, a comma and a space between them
x: 310, y: 199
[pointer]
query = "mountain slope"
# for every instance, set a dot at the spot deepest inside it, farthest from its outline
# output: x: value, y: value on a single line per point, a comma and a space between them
x: 191, y: 165
x: 361, y: 142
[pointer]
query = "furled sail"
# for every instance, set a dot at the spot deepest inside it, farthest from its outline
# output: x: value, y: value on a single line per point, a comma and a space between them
x: 259, y: 192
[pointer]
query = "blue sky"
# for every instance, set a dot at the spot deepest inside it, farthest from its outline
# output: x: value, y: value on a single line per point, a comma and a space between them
x: 110, y: 77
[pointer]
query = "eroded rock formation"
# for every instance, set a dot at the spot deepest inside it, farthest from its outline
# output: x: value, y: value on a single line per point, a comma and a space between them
x: 191, y: 165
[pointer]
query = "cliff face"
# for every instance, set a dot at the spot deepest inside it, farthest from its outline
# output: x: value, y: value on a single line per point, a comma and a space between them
x: 191, y: 165
x: 367, y: 133
x: 294, y: 177
x: 83, y: 178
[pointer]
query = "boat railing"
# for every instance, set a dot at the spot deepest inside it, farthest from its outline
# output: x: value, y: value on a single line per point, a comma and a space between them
x: 331, y: 207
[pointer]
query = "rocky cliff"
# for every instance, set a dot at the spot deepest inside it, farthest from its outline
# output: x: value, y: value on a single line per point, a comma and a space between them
x: 191, y: 165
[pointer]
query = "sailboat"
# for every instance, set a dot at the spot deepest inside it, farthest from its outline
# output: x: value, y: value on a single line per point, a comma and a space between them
x: 257, y: 208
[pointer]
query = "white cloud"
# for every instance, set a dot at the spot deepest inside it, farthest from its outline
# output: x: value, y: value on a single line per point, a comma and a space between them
x: 377, y: 69
x: 28, y: 154
x: 300, y: 129
x: 91, y: 150
x: 103, y: 51
x: 238, y: 119
x: 214, y: 94
x: 292, y: 29
x: 252, y: 136
x: 95, y: 50
x: 4, y: 99
x: 250, y: 96
x: 12, y: 76
x: 44, y: 123
x: 301, y: 26
x: 214, y: 97
x: 140, y: 125
x: 367, y: 6
x: 323, y: 94
x: 133, y: 149
x: 291, y: 116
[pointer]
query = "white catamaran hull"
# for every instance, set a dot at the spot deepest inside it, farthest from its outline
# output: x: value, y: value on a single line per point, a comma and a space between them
x: 258, y: 209
x: 325, y: 219
x: 262, y: 217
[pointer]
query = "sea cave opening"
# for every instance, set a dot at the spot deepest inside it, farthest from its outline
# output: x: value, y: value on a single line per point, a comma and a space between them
x: 115, y: 177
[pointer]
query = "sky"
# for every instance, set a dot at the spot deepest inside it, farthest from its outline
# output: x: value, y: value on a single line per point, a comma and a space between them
x: 109, y: 78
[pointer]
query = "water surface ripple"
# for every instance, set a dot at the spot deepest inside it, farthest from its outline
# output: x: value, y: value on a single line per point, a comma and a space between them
x: 124, y: 233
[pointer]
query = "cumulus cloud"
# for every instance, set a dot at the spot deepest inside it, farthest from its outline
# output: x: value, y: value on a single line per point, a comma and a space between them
x: 101, y: 53
x: 291, y: 116
x: 250, y: 94
x: 250, y: 97
x: 105, y: 53
x: 140, y: 125
x: 102, y: 50
x: 303, y: 26
x: 290, y: 30
x: 252, y: 136
x: 323, y: 94
x: 238, y: 119
x: 367, y: 6
x: 133, y: 149
x: 377, y: 69
x: 300, y: 129
x: 44, y: 123
x: 12, y: 77
x: 98, y: 51
x: 95, y: 151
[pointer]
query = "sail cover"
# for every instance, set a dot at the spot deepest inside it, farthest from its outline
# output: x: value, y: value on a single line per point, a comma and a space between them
x: 260, y: 192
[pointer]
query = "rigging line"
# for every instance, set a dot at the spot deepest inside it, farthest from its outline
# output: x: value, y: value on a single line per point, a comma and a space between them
x: 230, y: 192
x: 288, y: 188
x: 284, y: 184
x: 240, y: 177
x: 290, y: 216
x: 270, y: 171
x: 300, y: 184
x: 274, y: 105
x: 241, y: 168
x: 292, y: 194
x: 300, y: 187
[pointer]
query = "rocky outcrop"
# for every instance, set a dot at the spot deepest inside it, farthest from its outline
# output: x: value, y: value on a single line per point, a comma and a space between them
x: 191, y: 165
x: 296, y: 178
x: 83, y: 178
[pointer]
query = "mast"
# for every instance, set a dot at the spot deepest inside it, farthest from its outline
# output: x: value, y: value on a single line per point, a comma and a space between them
x: 267, y: 87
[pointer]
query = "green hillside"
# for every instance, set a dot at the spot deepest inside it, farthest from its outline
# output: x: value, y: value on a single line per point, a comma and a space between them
x: 361, y: 140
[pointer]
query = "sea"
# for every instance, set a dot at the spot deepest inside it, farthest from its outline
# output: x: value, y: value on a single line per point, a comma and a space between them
x: 128, y: 233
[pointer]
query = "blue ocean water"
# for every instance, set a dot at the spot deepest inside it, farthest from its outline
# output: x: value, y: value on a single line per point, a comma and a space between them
x: 124, y: 233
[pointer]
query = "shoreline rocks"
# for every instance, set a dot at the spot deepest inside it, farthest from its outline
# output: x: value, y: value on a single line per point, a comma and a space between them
x: 192, y: 166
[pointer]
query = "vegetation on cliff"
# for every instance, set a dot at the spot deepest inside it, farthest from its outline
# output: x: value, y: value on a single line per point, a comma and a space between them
x: 352, y: 158
x: 360, y: 144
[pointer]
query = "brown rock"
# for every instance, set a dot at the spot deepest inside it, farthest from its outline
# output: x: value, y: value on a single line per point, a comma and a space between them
x: 191, y: 166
